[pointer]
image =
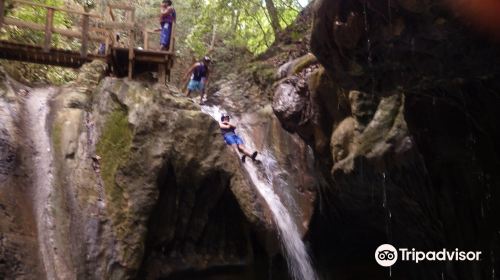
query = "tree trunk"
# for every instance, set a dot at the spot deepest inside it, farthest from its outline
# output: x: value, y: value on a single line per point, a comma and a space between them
x: 273, y: 15
x: 212, y: 42
x: 235, y: 20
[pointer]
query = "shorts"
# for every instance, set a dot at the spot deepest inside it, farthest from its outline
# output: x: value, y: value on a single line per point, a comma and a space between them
x: 232, y: 139
x: 196, y: 85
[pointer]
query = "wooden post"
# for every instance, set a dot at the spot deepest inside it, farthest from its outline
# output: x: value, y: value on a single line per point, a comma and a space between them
x: 161, y: 73
x: 146, y: 39
x: 131, y: 39
x: 111, y: 13
x: 131, y: 54
x: 2, y: 11
x: 106, y: 46
x: 48, y: 30
x: 85, y: 36
x: 172, y: 39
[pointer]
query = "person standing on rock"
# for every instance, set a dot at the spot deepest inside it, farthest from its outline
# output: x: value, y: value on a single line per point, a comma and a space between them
x: 234, y: 140
x: 167, y: 19
x: 199, y: 77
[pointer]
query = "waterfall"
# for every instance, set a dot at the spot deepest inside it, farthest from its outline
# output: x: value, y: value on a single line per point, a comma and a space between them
x: 293, y: 248
x: 36, y: 109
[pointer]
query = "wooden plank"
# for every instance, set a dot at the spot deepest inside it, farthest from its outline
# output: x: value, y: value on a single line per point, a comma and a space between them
x: 28, y: 53
x: 29, y: 3
x: 76, y: 34
x: 150, y: 59
x: 85, y: 36
x: 101, y: 31
x: 116, y: 25
x: 48, y: 30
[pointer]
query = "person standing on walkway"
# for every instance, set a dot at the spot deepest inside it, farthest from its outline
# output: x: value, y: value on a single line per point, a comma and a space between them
x: 167, y: 19
x: 199, y: 77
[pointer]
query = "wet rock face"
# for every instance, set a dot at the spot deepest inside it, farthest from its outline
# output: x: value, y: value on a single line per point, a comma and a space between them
x: 152, y: 178
x: 406, y: 101
x: 372, y: 169
x: 18, y: 239
x: 143, y: 185
x: 294, y: 176
x: 193, y: 179
x: 290, y: 99
x: 381, y: 45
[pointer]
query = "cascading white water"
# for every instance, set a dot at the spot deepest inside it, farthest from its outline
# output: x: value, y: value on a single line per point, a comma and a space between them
x: 298, y: 260
x: 36, y: 109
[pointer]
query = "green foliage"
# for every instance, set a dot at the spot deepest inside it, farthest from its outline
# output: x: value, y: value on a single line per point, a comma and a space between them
x: 37, y: 15
x: 239, y: 23
x: 29, y: 73
x: 35, y: 73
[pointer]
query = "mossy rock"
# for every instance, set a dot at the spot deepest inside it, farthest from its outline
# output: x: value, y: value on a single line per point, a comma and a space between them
x: 303, y: 62
x: 113, y: 147
x: 262, y: 73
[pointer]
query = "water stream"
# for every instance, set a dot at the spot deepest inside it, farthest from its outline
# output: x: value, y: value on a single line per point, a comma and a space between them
x: 263, y: 176
x: 36, y: 109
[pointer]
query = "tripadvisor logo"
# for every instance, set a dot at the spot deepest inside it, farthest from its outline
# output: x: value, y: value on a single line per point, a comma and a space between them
x: 387, y: 255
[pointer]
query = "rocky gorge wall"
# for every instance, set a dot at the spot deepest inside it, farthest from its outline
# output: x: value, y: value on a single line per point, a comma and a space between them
x: 139, y: 185
x: 399, y: 103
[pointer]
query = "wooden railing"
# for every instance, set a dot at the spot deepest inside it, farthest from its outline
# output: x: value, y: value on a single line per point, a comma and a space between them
x: 128, y: 26
x: 92, y: 28
x: 48, y: 28
x: 148, y: 32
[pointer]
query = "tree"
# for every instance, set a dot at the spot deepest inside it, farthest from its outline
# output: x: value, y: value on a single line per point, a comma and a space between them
x: 274, y: 18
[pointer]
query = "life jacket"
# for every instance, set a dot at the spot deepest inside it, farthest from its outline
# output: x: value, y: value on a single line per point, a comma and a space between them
x: 200, y: 71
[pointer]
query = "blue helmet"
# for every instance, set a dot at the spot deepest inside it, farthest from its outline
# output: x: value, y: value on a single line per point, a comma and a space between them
x: 223, y: 116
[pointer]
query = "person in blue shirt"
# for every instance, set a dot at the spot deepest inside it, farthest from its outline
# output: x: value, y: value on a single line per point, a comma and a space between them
x: 234, y: 140
x: 199, y: 77
x: 167, y: 18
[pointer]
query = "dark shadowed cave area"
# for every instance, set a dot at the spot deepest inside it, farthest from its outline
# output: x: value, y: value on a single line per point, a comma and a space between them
x: 200, y: 232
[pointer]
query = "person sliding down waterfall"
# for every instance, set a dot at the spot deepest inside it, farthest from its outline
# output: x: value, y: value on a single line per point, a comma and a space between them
x: 234, y: 140
x: 199, y: 77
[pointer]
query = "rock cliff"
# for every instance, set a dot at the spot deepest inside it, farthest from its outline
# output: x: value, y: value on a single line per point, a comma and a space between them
x: 400, y: 111
x: 142, y: 186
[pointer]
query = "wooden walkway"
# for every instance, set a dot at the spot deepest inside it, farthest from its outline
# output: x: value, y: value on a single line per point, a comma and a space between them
x: 124, y: 56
